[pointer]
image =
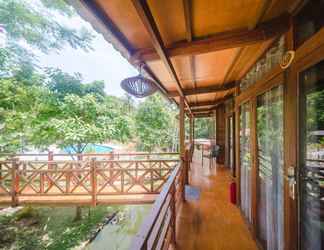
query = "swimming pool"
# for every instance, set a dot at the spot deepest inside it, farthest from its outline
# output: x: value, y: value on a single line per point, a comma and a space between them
x: 91, y: 148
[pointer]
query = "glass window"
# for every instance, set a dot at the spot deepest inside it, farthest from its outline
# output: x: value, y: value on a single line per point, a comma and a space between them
x: 312, y: 158
x: 245, y: 158
x: 270, y: 174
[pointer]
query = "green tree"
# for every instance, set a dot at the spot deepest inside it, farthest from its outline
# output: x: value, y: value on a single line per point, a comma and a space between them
x: 82, y: 120
x: 63, y: 84
x: 18, y: 110
x: 34, y: 23
x: 204, y: 128
x: 153, y: 124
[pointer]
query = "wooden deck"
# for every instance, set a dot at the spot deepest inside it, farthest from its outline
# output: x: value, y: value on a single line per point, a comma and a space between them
x: 212, y: 222
x: 81, y: 200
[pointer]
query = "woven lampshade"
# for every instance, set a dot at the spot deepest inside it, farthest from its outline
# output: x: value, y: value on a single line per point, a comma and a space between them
x: 138, y: 86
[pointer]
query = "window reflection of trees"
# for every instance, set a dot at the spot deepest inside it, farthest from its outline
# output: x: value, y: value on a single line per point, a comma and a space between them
x: 270, y: 175
x: 245, y: 158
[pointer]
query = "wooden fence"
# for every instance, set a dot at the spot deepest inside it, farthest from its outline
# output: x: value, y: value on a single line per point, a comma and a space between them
x: 159, y: 228
x: 50, y: 156
x: 82, y: 178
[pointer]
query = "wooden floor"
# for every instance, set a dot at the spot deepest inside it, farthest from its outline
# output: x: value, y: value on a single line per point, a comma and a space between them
x: 211, y: 222
x: 71, y: 200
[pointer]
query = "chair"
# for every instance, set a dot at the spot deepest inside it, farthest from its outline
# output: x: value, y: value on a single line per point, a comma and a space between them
x: 213, y: 153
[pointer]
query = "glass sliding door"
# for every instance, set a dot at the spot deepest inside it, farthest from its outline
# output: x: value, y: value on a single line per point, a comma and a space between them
x: 231, y: 144
x: 270, y: 169
x: 245, y: 159
x: 311, y: 161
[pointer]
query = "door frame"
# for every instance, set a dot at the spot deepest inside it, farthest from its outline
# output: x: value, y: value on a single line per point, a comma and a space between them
x: 308, y: 54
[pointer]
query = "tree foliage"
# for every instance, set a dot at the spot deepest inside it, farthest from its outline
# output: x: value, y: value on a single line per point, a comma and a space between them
x: 42, y: 108
x: 154, y: 124
x: 204, y: 128
x: 31, y: 25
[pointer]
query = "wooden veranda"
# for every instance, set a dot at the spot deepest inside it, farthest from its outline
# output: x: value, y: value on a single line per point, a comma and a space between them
x: 256, y: 67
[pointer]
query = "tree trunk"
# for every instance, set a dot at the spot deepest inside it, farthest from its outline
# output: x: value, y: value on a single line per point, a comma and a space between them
x: 78, y: 213
x: 78, y: 210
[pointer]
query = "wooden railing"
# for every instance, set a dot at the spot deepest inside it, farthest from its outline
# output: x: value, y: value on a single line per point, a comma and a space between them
x: 88, y: 178
x: 107, y: 156
x: 159, y: 228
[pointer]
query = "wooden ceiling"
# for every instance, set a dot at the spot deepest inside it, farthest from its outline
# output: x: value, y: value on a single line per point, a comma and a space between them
x: 197, y: 49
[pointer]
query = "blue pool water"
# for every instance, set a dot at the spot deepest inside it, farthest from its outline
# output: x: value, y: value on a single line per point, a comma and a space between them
x: 91, y: 148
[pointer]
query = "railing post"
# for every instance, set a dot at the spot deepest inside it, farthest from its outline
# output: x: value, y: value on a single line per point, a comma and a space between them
x: 68, y: 178
x: 41, y: 184
x: 186, y: 167
x: 173, y: 213
x: 14, y: 183
x: 183, y: 181
x: 93, y: 175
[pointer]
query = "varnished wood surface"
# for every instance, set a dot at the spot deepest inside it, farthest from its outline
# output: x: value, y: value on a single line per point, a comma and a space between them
x: 194, y: 43
x: 212, y: 222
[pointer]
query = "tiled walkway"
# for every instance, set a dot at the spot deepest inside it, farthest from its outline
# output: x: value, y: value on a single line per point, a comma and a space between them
x: 211, y: 222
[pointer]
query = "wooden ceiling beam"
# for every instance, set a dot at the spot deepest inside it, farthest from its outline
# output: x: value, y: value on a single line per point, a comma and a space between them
x: 187, y: 15
x: 200, y: 104
x: 210, y: 103
x: 264, y: 7
x: 220, y: 41
x: 200, y: 110
x: 205, y: 90
x: 188, y: 22
x: 203, y: 115
x: 94, y: 14
x: 147, y: 18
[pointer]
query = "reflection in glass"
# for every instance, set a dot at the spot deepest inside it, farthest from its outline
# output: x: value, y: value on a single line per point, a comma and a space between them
x: 270, y: 174
x: 245, y: 159
x: 231, y: 145
x: 312, y: 158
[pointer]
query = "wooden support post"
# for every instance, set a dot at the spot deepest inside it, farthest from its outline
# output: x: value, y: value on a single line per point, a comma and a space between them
x: 93, y: 181
x: 187, y: 162
x: 173, y: 214
x: 14, y: 183
x: 181, y: 128
x: 220, y: 132
x: 183, y: 184
x: 202, y: 155
x: 193, y: 130
x: 182, y: 135
x: 190, y: 130
x: 50, y: 158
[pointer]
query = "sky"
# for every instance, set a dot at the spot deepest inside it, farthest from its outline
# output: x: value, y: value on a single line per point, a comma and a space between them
x: 102, y: 63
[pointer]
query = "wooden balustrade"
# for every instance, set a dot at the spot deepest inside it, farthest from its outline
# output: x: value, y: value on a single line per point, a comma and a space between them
x: 107, y: 156
x: 92, y: 178
x: 159, y: 228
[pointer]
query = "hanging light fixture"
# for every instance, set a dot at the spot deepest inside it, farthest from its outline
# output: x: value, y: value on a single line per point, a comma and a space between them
x: 139, y: 86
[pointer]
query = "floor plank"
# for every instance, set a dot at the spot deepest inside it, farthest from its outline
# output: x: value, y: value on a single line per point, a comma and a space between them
x: 212, y: 222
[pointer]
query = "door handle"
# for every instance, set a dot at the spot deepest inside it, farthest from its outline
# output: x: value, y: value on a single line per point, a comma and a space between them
x: 291, y: 178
